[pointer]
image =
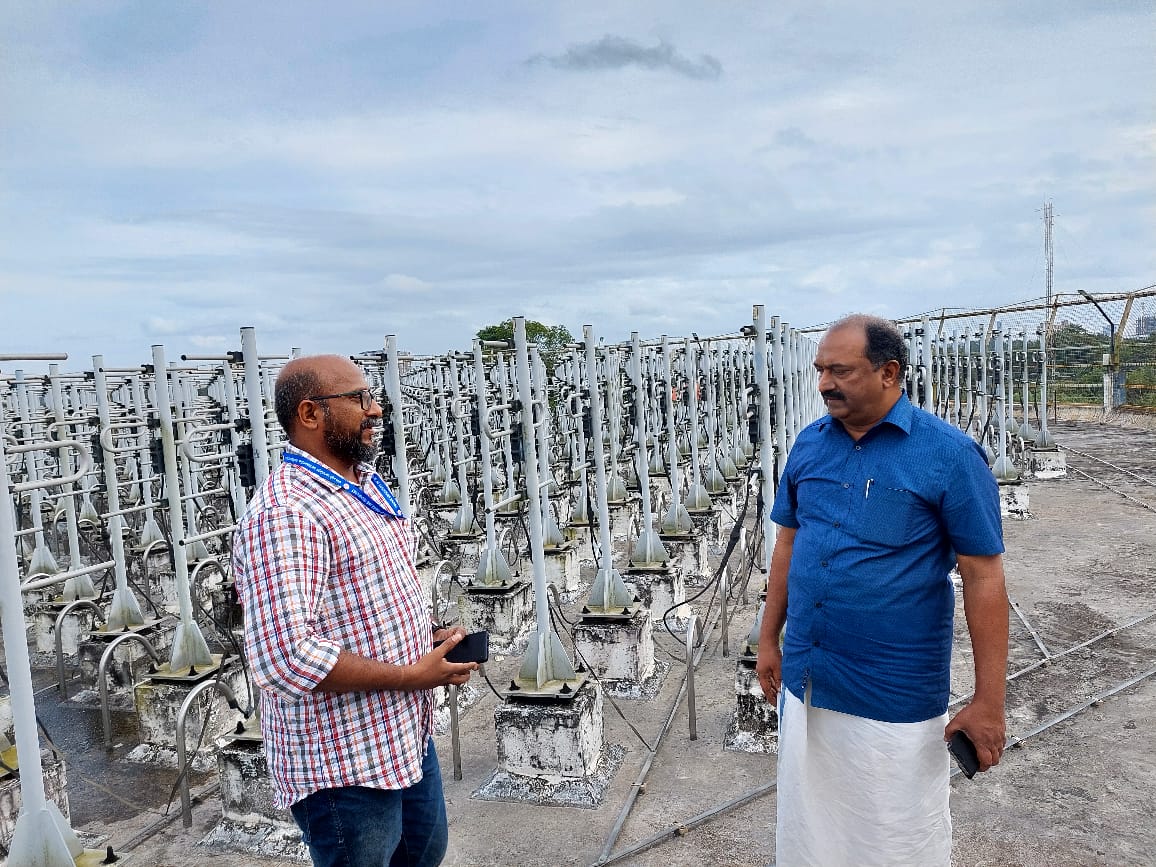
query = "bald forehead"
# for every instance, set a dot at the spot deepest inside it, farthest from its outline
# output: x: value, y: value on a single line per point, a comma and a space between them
x: 327, y: 369
x: 846, y: 335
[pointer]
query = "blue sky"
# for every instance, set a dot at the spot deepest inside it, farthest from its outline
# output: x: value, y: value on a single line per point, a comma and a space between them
x: 331, y: 173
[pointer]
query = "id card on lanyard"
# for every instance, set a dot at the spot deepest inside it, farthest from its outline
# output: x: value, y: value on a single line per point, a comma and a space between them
x: 391, y: 509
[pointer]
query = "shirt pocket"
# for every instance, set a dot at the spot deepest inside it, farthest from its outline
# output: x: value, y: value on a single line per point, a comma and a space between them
x: 886, y: 516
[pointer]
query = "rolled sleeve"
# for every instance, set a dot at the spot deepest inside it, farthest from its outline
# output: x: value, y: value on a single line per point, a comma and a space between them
x: 282, y: 567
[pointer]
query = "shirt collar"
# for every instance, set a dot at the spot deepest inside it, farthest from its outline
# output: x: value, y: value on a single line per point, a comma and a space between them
x: 900, y: 416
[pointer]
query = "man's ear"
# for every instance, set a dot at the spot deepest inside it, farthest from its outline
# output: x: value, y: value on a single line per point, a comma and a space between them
x: 890, y: 373
x: 309, y: 415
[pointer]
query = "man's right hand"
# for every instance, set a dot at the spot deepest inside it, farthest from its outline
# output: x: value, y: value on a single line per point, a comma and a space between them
x: 769, y: 668
x: 433, y: 669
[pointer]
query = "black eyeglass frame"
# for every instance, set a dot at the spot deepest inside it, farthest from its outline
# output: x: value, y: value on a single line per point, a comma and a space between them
x: 364, y: 395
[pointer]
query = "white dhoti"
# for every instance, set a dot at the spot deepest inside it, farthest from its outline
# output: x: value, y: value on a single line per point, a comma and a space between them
x: 855, y: 791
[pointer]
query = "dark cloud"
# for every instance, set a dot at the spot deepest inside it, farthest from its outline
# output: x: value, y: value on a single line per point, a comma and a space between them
x: 615, y: 52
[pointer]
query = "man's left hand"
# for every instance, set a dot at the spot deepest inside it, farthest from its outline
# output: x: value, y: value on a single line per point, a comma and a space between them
x: 984, y: 724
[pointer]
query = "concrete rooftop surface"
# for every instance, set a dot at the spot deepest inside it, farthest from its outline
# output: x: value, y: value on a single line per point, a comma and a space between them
x: 1078, y: 789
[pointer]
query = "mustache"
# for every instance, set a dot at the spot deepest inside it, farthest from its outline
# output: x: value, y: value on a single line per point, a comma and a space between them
x: 370, y: 424
x: 832, y: 394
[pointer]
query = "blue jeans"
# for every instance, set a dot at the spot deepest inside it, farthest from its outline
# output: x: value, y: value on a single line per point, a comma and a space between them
x: 358, y: 826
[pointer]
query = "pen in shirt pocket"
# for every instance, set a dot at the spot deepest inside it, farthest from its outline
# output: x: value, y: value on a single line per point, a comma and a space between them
x: 867, y: 490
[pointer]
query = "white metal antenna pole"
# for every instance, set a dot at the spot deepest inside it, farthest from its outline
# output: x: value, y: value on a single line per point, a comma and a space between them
x: 80, y: 587
x: 397, y: 419
x: 545, y: 659
x: 464, y: 523
x: 597, y: 448
x: 780, y: 397
x: 925, y: 363
x: 766, y: 446
x: 229, y: 398
x: 484, y: 450
x: 124, y: 611
x: 256, y: 400
x: 42, y: 838
x: 42, y: 560
x: 189, y: 647
x: 671, y: 437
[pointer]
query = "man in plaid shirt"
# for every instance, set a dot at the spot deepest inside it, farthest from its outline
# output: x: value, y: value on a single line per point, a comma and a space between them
x: 338, y: 636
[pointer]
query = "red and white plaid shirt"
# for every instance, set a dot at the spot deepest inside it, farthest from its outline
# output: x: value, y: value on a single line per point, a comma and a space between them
x: 317, y: 571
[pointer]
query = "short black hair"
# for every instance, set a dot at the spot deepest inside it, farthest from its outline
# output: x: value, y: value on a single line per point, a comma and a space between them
x: 292, y: 388
x: 884, y: 342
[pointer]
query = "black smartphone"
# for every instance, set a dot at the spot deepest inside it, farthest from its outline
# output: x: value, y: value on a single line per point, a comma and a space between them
x: 475, y: 647
x: 963, y: 751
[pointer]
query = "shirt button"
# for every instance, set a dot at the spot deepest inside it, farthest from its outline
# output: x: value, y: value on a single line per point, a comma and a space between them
x: 818, y: 604
x: 858, y: 448
x: 846, y: 485
x: 824, y: 563
x: 836, y: 523
x: 814, y: 644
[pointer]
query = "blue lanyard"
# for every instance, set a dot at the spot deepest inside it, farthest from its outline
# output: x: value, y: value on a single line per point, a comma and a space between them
x: 323, y: 472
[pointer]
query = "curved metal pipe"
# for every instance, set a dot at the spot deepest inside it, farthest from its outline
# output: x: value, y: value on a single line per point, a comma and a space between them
x: 691, y: 630
x: 182, y: 759
x: 67, y: 609
x: 102, y: 679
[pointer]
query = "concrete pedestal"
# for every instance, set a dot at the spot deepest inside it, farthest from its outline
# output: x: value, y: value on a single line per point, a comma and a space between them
x: 130, y: 661
x: 506, y: 614
x: 660, y: 589
x: 583, y: 536
x: 563, y: 569
x: 618, y: 650
x: 74, y: 628
x: 466, y: 551
x: 621, y: 516
x: 1047, y: 464
x: 688, y: 555
x: 708, y: 525
x: 754, y: 726
x: 551, y: 740
x: 1013, y: 500
x: 249, y: 822
x: 157, y: 702
x: 246, y: 787
x: 55, y: 787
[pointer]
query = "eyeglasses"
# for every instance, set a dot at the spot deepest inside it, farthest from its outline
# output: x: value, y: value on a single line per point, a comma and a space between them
x: 362, y: 394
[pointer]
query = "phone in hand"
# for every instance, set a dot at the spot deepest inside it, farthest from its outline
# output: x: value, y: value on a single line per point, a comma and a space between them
x: 963, y: 751
x: 475, y: 647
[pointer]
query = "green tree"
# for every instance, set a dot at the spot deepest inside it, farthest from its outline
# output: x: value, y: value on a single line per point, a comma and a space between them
x: 552, y: 340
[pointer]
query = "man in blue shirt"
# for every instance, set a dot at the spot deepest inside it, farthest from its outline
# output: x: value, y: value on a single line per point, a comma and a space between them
x: 878, y: 501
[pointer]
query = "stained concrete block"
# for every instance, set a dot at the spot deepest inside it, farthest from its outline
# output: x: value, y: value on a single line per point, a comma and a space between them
x: 754, y: 726
x: 506, y: 614
x: 562, y: 567
x: 1013, y: 501
x: 130, y: 661
x: 689, y: 556
x: 74, y: 628
x: 1047, y: 464
x: 246, y: 786
x: 617, y: 650
x: 708, y: 525
x: 158, y: 701
x: 660, y: 590
x: 55, y: 788
x: 551, y: 740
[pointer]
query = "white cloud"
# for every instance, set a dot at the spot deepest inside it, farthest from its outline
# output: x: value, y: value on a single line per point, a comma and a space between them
x: 405, y: 283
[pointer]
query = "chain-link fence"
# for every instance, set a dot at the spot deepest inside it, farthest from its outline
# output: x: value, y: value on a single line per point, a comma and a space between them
x: 1100, y: 349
